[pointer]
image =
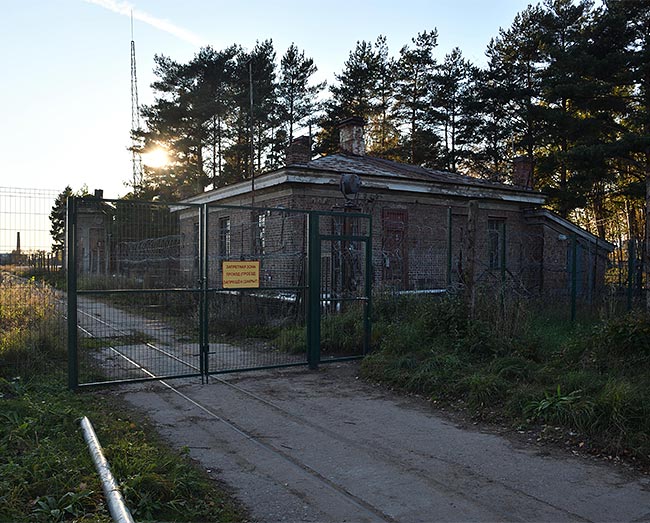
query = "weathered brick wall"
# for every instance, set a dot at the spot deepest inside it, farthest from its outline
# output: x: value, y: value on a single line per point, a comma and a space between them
x: 413, y: 255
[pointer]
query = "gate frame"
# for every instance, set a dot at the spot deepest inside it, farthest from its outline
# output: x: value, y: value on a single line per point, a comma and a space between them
x: 314, y: 292
x: 315, y: 297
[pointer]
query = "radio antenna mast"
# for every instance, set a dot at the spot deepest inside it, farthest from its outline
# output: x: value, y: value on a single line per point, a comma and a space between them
x: 136, y: 157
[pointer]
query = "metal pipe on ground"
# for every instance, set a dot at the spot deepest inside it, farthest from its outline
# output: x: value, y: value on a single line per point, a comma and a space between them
x: 116, y: 506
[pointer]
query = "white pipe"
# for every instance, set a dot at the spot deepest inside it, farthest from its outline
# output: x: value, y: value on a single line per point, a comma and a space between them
x: 116, y: 506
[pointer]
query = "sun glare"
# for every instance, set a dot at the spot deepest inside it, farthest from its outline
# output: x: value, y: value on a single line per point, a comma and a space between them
x: 155, y: 158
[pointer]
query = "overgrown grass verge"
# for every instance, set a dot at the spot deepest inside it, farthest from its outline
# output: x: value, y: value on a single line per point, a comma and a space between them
x: 593, y: 380
x: 46, y: 473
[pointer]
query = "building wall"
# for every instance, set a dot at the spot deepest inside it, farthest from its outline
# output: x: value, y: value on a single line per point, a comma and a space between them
x: 412, y: 245
x: 92, y: 241
x: 557, y: 258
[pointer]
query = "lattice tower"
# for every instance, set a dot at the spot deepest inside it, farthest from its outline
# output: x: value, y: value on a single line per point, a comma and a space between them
x: 135, y: 119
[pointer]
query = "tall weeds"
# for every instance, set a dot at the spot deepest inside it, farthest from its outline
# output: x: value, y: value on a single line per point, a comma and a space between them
x: 31, y: 327
x: 514, y: 361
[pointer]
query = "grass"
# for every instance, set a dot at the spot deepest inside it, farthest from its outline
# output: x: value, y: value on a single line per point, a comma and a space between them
x: 46, y: 473
x: 591, y: 378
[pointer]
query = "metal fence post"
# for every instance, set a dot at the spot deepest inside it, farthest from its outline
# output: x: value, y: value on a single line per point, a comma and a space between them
x: 449, y: 223
x: 204, y: 346
x: 367, y: 320
x: 574, y: 275
x: 502, y: 255
x: 313, y: 301
x: 631, y: 265
x: 71, y: 286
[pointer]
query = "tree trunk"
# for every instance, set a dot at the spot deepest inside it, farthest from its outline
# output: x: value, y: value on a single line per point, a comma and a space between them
x: 646, y: 254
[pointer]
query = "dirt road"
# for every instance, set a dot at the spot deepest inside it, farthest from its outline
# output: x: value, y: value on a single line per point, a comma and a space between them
x: 326, y: 447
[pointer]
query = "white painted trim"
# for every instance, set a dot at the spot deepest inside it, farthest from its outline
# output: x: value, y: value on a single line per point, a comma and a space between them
x: 273, y: 179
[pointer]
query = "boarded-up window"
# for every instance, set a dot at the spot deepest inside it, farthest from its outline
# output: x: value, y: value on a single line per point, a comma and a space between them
x: 224, y: 237
x: 394, y: 247
x: 496, y: 237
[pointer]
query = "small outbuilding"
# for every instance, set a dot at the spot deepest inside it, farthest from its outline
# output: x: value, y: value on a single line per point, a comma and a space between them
x: 431, y: 229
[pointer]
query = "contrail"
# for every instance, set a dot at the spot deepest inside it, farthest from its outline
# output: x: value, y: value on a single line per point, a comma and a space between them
x: 124, y: 8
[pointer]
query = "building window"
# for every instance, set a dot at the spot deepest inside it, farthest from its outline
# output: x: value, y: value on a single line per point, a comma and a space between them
x: 224, y: 237
x: 394, y: 247
x: 496, y: 239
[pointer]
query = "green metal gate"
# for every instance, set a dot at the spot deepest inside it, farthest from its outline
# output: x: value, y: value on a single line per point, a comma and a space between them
x: 160, y: 291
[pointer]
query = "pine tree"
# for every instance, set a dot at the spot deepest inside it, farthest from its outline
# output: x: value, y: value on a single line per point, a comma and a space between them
x: 297, y: 99
x: 627, y: 24
x: 565, y: 89
x: 382, y: 133
x: 352, y: 95
x: 175, y: 121
x: 415, y: 69
x: 450, y: 109
x: 58, y: 219
x: 490, y: 156
x: 214, y: 71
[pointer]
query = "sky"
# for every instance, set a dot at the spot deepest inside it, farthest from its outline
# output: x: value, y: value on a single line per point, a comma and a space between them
x: 65, y: 94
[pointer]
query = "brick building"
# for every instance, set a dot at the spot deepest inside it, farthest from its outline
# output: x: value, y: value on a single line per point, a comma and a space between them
x: 431, y: 229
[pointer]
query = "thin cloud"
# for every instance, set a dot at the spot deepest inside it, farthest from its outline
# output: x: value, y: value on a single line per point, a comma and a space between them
x: 125, y: 8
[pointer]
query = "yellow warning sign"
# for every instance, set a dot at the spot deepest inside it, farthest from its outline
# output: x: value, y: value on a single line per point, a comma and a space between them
x: 241, y: 274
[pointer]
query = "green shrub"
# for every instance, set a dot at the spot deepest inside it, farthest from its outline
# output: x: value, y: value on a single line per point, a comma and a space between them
x: 621, y: 413
x: 444, y: 316
x: 572, y: 409
x: 484, y: 389
x: 512, y: 368
x: 292, y: 339
x: 343, y: 333
x: 436, y: 375
x: 621, y: 344
x: 592, y: 378
x: 403, y: 338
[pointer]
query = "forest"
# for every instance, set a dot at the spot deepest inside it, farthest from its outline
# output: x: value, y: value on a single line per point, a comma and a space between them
x: 566, y: 84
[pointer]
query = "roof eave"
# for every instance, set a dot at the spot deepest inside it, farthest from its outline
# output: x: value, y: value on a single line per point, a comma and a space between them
x: 306, y: 175
x: 571, y: 227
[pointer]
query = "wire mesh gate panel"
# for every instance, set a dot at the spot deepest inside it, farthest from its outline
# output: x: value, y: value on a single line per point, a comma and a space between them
x: 344, y: 244
x: 255, y: 271
x: 131, y: 292
x: 179, y: 290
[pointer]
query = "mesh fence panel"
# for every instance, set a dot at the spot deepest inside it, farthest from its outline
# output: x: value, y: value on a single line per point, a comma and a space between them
x: 504, y: 256
x: 32, y: 326
x: 152, y: 281
x: 344, y: 284
x: 263, y: 325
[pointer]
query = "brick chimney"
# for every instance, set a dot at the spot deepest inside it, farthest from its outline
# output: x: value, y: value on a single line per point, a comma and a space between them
x: 522, y: 175
x: 351, y: 136
x: 299, y: 151
x: 99, y: 193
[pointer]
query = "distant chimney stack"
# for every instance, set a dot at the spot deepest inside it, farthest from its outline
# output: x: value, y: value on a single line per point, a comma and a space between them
x: 99, y: 193
x: 523, y: 172
x: 299, y: 152
x: 351, y: 136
